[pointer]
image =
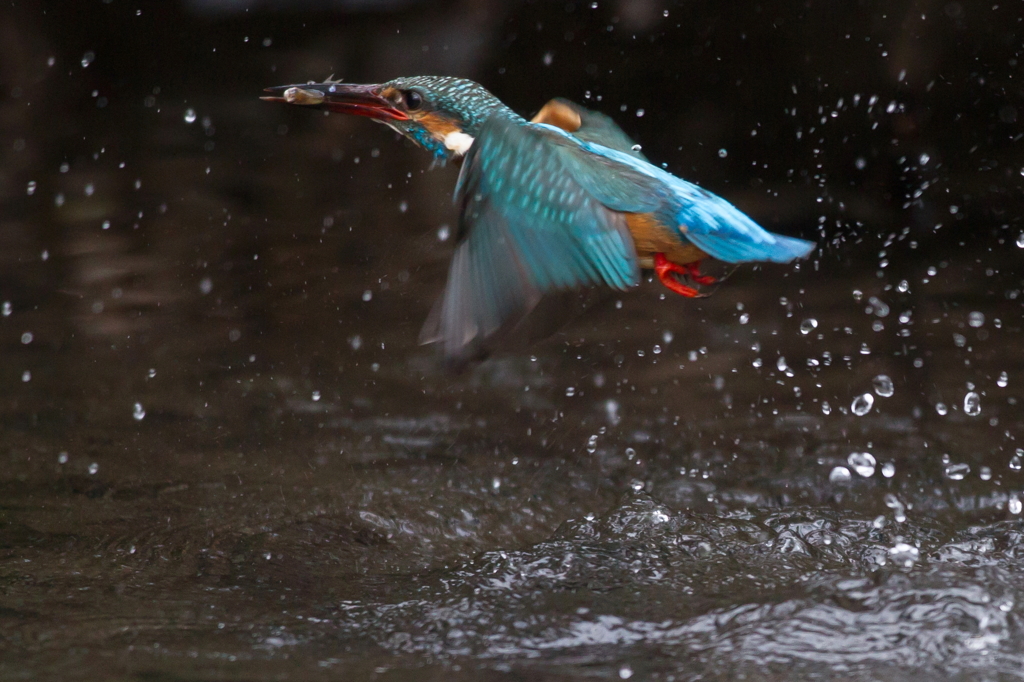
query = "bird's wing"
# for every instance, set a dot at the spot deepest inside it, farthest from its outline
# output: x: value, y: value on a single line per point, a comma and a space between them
x: 587, y: 125
x: 531, y: 222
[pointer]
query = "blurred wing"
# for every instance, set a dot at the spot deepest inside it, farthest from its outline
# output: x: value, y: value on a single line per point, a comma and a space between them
x: 528, y: 225
x: 587, y: 125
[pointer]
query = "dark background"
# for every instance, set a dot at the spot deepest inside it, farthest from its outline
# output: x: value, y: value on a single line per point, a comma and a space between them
x: 225, y: 456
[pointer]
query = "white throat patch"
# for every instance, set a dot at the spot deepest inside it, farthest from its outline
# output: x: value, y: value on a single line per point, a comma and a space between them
x: 458, y: 142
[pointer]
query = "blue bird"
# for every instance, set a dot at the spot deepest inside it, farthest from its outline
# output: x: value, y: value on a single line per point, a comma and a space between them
x: 563, y: 201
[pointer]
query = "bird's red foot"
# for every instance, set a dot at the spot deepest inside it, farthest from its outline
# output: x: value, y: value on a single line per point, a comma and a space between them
x: 664, y: 268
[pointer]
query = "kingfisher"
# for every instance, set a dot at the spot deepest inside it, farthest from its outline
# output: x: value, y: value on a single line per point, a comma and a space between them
x: 562, y: 201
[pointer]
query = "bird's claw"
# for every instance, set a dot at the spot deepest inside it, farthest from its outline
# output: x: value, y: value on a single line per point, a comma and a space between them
x: 665, y: 269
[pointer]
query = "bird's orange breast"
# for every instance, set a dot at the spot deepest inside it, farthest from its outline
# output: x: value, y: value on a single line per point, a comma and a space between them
x: 651, y: 236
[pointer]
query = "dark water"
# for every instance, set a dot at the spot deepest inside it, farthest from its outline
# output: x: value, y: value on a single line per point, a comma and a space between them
x: 225, y: 457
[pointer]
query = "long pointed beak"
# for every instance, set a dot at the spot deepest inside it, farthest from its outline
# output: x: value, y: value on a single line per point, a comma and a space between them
x: 344, y: 98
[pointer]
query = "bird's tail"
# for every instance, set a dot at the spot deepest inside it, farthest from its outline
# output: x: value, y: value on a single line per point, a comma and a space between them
x: 724, y: 232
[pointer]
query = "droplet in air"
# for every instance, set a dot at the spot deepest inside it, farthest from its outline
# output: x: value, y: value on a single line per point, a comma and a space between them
x: 1015, y: 463
x: 862, y: 404
x: 570, y: 391
x: 985, y: 473
x: 957, y: 472
x: 1014, y: 505
x: 863, y: 463
x: 808, y: 325
x: 722, y: 153
x: 976, y: 319
x: 592, y: 444
x: 6, y: 309
x: 941, y: 409
x: 26, y: 338
x: 888, y: 469
x: 93, y: 468
x: 367, y: 295
x: 190, y: 115
x: 839, y: 475
x: 88, y: 58
x: 636, y: 147
x: 972, y: 404
x: 316, y: 396
x: 883, y: 386
x: 138, y: 412
x: 1003, y: 380
x: 1020, y: 239
x: 30, y: 189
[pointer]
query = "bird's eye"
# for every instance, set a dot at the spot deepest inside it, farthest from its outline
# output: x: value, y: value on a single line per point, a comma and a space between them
x: 413, y: 101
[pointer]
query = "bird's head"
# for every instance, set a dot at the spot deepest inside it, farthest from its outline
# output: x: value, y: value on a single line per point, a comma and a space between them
x: 439, y: 113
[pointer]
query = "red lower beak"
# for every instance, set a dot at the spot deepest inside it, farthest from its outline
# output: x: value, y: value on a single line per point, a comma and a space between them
x: 358, y: 100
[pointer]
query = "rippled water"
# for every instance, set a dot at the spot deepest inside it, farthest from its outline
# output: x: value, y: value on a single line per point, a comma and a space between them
x: 226, y: 457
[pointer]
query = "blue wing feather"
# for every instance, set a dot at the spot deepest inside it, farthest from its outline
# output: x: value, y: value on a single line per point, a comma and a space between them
x: 526, y: 226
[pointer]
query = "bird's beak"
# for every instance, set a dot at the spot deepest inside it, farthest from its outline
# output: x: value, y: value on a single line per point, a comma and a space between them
x: 344, y: 98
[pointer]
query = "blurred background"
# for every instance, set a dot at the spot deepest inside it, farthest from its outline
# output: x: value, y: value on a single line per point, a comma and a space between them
x: 225, y: 455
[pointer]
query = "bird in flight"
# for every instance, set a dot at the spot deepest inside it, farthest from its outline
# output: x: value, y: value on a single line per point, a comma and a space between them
x: 563, y: 201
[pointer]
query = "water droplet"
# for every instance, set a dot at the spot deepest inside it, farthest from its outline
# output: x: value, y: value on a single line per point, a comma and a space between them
x: 756, y: 362
x: 888, y: 469
x: 636, y: 147
x: 808, y: 325
x: 863, y: 463
x: 839, y: 475
x: 316, y: 396
x: 972, y: 404
x: 667, y: 337
x: 93, y: 468
x: 1020, y: 240
x: 355, y: 341
x: 941, y: 409
x: 903, y: 287
x: 549, y: 57
x: 781, y: 364
x: 904, y: 554
x: 1015, y: 463
x: 640, y: 113
x: 825, y: 407
x: 862, y: 404
x: 30, y: 189
x: 26, y: 338
x: 957, y: 472
x: 883, y: 386
x: 138, y: 412
x: 860, y: 163
x: 625, y: 672
x: 592, y: 444
x: 976, y: 319
x: 62, y: 458
x: 88, y: 58
x: 26, y: 376
x: 1003, y: 380
x: 190, y: 115
x: 985, y: 473
x: 443, y: 233
x: 722, y: 153
x: 367, y: 295
x: 744, y: 318
x: 570, y: 392
x: 6, y: 309
x: 1014, y: 505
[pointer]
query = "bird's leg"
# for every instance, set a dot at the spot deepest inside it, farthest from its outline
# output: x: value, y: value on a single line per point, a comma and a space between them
x: 693, y: 271
x: 664, y: 268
